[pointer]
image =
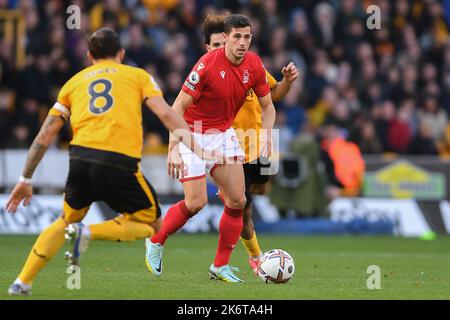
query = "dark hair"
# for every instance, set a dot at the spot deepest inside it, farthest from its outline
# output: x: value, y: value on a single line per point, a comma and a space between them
x: 104, y: 43
x: 212, y: 24
x: 236, y: 21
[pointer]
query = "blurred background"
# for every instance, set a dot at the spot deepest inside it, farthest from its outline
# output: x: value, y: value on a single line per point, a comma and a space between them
x: 364, y: 136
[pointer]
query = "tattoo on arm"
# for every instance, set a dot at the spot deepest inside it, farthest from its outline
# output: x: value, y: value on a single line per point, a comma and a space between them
x: 40, y: 145
x: 35, y: 155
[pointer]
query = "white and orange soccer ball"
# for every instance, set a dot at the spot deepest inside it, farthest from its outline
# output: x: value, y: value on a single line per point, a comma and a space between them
x: 276, y: 266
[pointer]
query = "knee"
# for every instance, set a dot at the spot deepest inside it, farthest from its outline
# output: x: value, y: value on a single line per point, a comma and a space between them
x: 238, y: 203
x: 195, y: 205
x: 69, y: 218
x: 71, y: 215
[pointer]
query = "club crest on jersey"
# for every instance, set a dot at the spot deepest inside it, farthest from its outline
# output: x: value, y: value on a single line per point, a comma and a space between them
x: 194, y: 78
x: 222, y: 74
x: 246, y: 76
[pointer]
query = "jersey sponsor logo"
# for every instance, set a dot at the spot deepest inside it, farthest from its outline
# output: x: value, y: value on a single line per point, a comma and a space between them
x: 222, y: 74
x: 194, y: 78
x: 245, y: 76
x: 200, y: 66
x: 190, y: 86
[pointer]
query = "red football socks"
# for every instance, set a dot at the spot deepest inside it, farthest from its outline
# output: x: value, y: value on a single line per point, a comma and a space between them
x: 174, y: 220
x: 230, y: 228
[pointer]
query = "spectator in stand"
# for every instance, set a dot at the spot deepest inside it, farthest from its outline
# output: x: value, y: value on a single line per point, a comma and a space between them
x: 341, y: 61
x: 285, y: 133
x: 6, y: 103
x: 384, y: 114
x: 326, y: 102
x: 400, y: 131
x: 19, y: 137
x: 339, y: 116
x: 293, y: 112
x: 433, y: 116
x: 343, y: 161
x: 138, y: 51
x: 366, y: 137
x: 324, y: 24
x: 423, y: 143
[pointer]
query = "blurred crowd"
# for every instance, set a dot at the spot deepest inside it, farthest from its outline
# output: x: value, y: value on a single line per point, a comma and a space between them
x: 387, y: 89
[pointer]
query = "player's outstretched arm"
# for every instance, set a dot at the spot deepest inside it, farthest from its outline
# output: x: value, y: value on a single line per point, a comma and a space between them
x: 290, y: 73
x: 23, y: 189
x: 176, y: 125
x: 175, y: 163
x: 268, y: 120
x: 171, y: 120
x: 182, y: 102
x: 267, y: 111
x: 174, y: 122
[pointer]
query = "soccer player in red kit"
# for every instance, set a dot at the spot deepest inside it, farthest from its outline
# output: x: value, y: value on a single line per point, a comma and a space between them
x: 246, y: 124
x: 209, y: 100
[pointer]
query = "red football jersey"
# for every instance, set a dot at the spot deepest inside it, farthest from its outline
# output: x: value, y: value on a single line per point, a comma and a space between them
x: 219, y: 89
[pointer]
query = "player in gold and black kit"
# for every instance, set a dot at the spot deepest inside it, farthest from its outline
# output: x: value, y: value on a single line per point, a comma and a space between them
x: 103, y: 103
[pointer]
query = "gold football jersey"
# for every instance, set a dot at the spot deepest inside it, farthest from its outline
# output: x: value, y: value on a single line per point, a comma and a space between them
x: 104, y: 103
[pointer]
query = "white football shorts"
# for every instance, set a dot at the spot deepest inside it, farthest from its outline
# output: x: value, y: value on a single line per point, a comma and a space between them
x: 225, y: 142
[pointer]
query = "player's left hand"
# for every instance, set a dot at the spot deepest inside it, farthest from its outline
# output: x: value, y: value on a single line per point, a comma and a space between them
x: 22, y: 191
x: 266, y: 146
x: 175, y: 164
x: 290, y: 72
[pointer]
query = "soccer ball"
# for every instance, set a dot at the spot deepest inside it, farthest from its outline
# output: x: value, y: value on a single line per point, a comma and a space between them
x: 276, y: 266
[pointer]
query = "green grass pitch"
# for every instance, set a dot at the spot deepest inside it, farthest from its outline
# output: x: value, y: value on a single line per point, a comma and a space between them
x: 327, y: 267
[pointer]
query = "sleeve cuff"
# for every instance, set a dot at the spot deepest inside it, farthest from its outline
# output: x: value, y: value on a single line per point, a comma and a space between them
x: 62, y: 108
x: 195, y: 95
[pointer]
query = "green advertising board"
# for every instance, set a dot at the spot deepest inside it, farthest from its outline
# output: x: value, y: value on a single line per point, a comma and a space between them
x: 403, y: 179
